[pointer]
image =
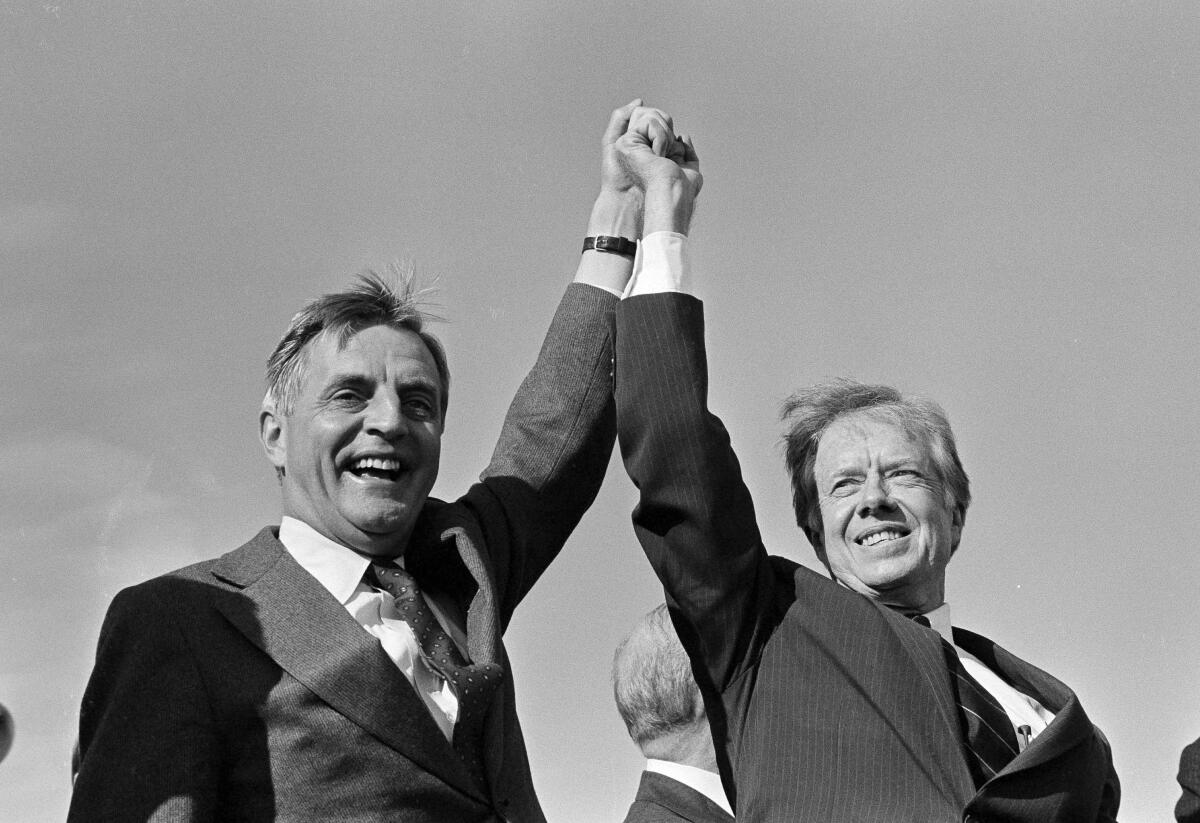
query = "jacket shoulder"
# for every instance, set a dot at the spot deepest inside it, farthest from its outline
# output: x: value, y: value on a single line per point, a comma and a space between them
x: 262, y: 549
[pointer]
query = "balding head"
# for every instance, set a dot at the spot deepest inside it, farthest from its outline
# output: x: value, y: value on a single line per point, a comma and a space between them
x: 657, y: 697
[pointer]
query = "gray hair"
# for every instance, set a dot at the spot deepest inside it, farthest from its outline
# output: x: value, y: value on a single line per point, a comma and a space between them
x: 652, y: 680
x: 809, y: 412
x: 371, y: 301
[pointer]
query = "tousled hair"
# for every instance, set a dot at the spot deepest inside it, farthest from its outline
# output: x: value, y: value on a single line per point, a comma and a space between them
x: 809, y: 412
x: 652, y: 681
x: 391, y: 299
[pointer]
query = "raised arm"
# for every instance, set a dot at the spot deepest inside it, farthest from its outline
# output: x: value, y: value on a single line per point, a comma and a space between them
x: 695, y: 518
x: 558, y: 435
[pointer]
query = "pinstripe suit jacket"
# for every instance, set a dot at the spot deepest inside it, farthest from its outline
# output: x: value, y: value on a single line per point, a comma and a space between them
x: 825, y: 705
x: 239, y: 689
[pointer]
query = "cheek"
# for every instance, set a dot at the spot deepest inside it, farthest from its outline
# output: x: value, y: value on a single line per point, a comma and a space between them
x: 836, y: 518
x: 937, y: 535
x: 432, y: 445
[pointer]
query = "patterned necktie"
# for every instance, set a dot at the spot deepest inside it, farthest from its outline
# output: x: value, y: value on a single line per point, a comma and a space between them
x: 474, y: 683
x: 989, y: 739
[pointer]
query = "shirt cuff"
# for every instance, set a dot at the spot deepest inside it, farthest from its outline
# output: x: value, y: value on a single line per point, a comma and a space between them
x: 661, y: 265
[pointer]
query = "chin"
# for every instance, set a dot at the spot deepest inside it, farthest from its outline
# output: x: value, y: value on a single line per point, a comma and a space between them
x: 890, y: 580
x: 383, y: 524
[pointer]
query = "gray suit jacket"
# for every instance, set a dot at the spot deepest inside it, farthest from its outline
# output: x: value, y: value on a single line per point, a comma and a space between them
x: 825, y: 705
x: 240, y: 689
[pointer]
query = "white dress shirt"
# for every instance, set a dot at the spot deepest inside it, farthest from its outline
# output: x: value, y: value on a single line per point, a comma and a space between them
x: 662, y: 265
x: 1021, y: 709
x: 340, y: 570
x: 706, y: 782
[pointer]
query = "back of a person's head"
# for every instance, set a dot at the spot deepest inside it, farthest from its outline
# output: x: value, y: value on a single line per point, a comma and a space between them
x: 652, y: 682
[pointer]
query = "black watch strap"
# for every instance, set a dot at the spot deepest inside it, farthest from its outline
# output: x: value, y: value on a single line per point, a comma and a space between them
x: 611, y: 245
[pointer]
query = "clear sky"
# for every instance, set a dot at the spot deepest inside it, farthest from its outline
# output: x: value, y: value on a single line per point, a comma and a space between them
x: 992, y: 204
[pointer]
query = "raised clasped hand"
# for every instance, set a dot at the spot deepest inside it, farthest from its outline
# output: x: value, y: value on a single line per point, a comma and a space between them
x: 651, y: 154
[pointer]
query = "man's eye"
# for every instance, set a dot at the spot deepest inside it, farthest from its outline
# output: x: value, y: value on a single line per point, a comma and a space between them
x: 844, y: 486
x: 419, y: 409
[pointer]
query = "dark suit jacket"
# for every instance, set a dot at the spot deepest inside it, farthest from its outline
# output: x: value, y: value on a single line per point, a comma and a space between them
x: 826, y: 706
x: 240, y: 689
x: 661, y: 799
x: 1187, y: 810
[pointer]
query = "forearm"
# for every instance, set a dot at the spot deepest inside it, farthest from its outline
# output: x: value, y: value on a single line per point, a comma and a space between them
x: 566, y: 399
x: 556, y: 442
x: 669, y: 205
x: 614, y: 214
x: 676, y: 450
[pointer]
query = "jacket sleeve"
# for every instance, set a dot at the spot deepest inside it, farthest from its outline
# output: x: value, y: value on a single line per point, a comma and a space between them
x: 554, y: 447
x: 694, y: 518
x: 147, y: 746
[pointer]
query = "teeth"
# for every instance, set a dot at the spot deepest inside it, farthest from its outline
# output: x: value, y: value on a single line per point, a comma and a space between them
x: 879, y: 537
x: 377, y: 463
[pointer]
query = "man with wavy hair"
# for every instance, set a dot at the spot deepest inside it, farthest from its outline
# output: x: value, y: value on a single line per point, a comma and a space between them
x: 347, y: 663
x: 842, y: 698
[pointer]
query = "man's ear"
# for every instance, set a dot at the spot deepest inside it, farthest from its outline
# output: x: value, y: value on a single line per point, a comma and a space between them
x: 272, y: 430
x: 818, y: 543
x: 956, y: 526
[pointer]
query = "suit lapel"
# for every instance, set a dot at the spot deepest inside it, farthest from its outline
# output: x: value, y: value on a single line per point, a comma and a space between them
x: 899, y: 668
x: 1071, y: 725
x: 445, y: 551
x: 924, y: 649
x: 314, y: 639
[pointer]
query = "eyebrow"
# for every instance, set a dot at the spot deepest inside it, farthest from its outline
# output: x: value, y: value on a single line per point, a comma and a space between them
x: 347, y: 379
x: 421, y: 382
x: 409, y: 383
x: 908, y: 460
x: 854, y: 468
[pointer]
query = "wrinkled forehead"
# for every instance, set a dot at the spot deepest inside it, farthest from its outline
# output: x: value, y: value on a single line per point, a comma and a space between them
x: 378, y: 350
x: 867, y: 435
x: 380, y: 341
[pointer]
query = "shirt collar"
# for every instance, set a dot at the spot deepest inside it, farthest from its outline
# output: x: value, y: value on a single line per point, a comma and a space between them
x: 335, y: 567
x: 706, y: 782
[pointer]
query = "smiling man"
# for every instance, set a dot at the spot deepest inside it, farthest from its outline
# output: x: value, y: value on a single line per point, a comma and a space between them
x: 348, y: 665
x: 847, y: 698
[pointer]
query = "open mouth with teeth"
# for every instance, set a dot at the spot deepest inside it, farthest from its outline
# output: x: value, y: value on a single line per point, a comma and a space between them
x: 377, y: 468
x: 874, y: 538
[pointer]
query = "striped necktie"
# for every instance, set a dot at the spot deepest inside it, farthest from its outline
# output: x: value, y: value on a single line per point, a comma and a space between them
x: 989, y: 740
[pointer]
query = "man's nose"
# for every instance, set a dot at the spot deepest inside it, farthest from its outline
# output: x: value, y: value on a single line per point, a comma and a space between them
x: 874, y: 496
x: 385, y: 417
